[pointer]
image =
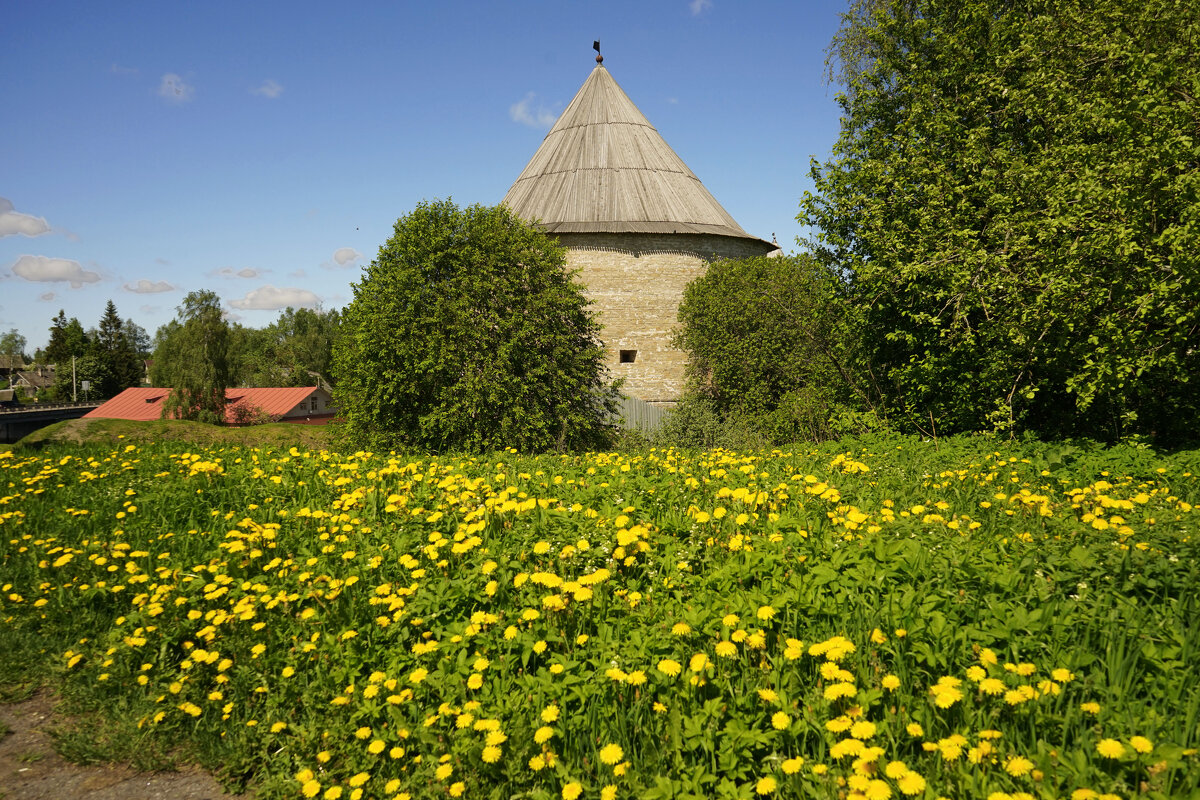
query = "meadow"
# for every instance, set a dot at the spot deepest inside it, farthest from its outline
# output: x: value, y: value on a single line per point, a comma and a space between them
x: 875, y: 618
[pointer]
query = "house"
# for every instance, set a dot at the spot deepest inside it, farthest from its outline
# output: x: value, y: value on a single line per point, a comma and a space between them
x: 305, y: 405
x: 638, y: 227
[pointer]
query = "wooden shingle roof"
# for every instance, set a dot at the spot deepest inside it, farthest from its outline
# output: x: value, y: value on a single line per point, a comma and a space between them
x: 603, y: 168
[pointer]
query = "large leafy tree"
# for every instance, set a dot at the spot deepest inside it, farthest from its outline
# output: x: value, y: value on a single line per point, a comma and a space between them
x: 1016, y: 196
x: 192, y: 357
x: 467, y: 333
x: 295, y: 350
x: 771, y: 342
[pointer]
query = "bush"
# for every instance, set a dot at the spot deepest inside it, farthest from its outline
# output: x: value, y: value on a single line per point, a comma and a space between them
x: 467, y: 333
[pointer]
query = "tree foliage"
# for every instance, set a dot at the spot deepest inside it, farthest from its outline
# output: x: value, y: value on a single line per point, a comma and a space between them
x: 295, y: 350
x: 465, y: 332
x: 192, y: 357
x: 114, y: 362
x: 12, y: 345
x: 1016, y: 197
x: 772, y: 345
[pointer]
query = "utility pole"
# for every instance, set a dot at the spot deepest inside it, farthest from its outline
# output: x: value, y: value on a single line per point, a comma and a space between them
x: 74, y: 397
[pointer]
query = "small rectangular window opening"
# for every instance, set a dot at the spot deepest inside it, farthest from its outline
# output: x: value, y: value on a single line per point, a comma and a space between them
x: 628, y: 356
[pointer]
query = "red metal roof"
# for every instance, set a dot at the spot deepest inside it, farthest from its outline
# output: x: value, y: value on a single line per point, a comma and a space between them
x: 135, y: 403
x: 144, y: 403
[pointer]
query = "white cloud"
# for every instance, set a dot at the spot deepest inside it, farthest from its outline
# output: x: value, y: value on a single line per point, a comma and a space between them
x: 698, y: 7
x: 43, y: 269
x: 230, y: 272
x: 144, y: 286
x: 346, y: 255
x: 13, y: 222
x: 174, y: 89
x: 46, y: 297
x: 270, y: 298
x: 525, y: 113
x: 269, y: 88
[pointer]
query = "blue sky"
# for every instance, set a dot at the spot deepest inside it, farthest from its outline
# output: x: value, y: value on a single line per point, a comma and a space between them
x: 264, y: 150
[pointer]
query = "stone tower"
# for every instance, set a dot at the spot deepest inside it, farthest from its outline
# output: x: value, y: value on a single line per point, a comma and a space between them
x: 637, y: 224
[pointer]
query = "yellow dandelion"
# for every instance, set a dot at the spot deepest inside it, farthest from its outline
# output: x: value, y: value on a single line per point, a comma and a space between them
x: 726, y: 649
x: 1110, y: 748
x: 1017, y: 766
x: 609, y: 792
x: 669, y: 667
x: 862, y: 729
x: 1141, y: 744
x: 611, y: 754
x: 491, y: 754
x: 890, y: 682
x: 765, y: 613
x: 311, y: 788
x: 572, y: 791
x: 765, y: 785
x: 780, y: 720
x: 911, y: 783
x: 792, y: 765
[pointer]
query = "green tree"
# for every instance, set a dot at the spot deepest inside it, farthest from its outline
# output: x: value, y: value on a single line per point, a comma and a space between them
x: 117, y: 365
x: 1014, y: 195
x: 67, y: 339
x: 771, y: 345
x: 68, y: 345
x: 295, y: 350
x: 192, y: 357
x: 467, y: 333
x: 12, y: 345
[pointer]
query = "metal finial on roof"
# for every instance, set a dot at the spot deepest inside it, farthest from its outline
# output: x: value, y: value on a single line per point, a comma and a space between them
x: 596, y: 47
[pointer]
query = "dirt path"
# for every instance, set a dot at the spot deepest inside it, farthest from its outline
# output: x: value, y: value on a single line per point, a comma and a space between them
x: 31, y: 770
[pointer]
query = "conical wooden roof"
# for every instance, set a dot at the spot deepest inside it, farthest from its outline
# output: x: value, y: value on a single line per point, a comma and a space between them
x: 603, y: 168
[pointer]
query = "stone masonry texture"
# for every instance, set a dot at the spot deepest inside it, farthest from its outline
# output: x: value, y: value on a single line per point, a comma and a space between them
x: 635, y: 283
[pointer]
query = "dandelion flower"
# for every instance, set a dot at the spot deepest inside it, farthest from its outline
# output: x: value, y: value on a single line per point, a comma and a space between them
x: 491, y: 754
x: 780, y: 720
x: 543, y: 734
x: 1110, y: 748
x: 609, y: 792
x: 792, y: 765
x: 611, y: 754
x: 669, y: 667
x: 572, y: 790
x: 443, y: 771
x: 765, y: 785
x: 1141, y: 744
x: 891, y: 682
x: 1018, y: 766
x: 550, y: 713
x: 862, y: 729
x: 765, y: 613
x: 311, y: 788
x: 726, y: 649
x: 767, y: 695
x: 911, y: 783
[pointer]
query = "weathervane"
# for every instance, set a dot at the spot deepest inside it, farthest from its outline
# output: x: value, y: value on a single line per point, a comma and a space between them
x: 596, y: 47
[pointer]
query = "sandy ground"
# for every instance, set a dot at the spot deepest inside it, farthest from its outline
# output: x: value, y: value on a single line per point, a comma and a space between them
x: 31, y: 770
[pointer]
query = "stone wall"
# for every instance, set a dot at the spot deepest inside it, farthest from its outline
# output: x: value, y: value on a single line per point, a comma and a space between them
x: 636, y: 282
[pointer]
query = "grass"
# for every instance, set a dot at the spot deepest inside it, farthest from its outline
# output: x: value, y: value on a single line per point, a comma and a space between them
x: 989, y: 619
x: 115, y: 431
